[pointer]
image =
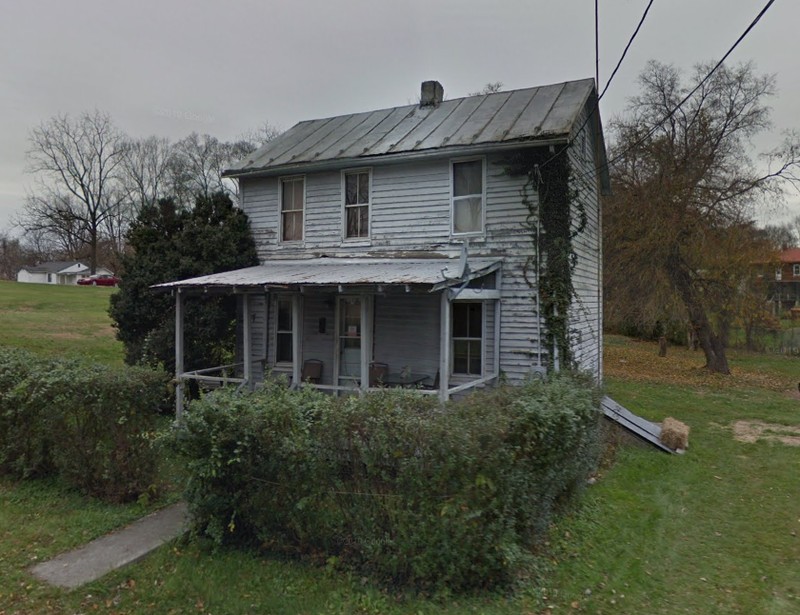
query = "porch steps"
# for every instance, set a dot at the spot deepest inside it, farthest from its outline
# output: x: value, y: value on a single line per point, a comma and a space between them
x: 639, y: 427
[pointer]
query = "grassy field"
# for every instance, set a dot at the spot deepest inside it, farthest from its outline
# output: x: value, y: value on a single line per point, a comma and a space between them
x: 712, y: 531
x: 59, y: 320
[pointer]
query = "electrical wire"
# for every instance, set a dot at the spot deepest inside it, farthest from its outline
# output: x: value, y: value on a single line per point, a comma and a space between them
x: 597, y: 170
x: 597, y: 73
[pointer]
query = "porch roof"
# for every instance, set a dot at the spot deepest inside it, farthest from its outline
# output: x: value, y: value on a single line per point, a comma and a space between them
x: 325, y: 271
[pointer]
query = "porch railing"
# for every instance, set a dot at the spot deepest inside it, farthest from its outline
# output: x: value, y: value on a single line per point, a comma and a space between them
x: 207, y: 380
x: 215, y: 377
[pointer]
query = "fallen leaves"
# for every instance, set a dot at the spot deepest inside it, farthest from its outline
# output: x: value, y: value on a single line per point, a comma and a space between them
x: 638, y: 361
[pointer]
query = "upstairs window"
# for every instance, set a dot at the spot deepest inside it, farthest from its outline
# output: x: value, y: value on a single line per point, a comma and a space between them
x: 356, y: 204
x: 293, y: 196
x: 467, y: 338
x: 796, y: 270
x: 467, y: 198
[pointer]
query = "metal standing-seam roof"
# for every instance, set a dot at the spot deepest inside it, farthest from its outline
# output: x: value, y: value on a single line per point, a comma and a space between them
x: 334, y: 271
x: 548, y: 112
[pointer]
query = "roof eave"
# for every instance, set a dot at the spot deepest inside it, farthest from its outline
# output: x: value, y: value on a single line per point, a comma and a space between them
x: 454, y: 151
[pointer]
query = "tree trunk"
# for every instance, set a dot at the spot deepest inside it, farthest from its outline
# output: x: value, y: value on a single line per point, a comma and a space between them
x: 713, y: 345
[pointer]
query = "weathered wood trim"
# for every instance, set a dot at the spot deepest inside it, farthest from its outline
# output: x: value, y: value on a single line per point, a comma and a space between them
x: 247, y: 342
x: 297, y: 339
x: 178, y: 354
x: 444, y: 351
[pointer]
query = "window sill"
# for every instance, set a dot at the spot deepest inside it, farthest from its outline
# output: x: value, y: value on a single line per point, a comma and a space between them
x: 357, y: 242
x: 476, y: 237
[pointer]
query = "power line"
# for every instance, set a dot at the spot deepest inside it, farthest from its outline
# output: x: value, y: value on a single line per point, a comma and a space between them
x: 597, y: 71
x: 658, y: 125
x: 625, y: 52
x: 597, y: 42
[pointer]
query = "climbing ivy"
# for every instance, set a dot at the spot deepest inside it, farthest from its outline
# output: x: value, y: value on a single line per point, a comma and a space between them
x: 547, y: 195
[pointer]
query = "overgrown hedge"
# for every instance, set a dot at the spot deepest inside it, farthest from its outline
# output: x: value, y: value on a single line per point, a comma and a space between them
x: 391, y: 484
x: 88, y: 423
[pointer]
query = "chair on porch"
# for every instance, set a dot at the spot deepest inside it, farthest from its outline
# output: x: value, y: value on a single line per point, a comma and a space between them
x: 312, y: 371
x: 434, y: 386
x: 377, y: 373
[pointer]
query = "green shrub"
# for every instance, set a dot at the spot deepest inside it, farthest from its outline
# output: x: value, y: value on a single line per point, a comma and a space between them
x: 391, y: 484
x: 88, y: 423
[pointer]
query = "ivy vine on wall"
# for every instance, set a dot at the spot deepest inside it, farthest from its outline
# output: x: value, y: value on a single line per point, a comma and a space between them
x: 547, y: 195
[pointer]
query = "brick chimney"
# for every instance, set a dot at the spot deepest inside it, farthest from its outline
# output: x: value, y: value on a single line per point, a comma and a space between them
x: 432, y: 94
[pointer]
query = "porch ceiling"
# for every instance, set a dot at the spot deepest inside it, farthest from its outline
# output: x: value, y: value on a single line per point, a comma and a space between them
x: 437, y: 272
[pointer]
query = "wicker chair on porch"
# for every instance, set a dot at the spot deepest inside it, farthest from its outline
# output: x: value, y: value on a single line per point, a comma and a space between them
x: 377, y: 372
x: 312, y: 371
x: 431, y: 386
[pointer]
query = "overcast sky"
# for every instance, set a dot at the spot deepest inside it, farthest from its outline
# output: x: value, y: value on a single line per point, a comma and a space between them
x: 170, y: 67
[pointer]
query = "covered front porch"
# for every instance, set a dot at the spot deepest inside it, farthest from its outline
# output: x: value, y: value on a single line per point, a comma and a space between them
x: 350, y: 325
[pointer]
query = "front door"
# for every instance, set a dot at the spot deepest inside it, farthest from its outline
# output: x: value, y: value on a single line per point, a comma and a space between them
x: 353, y: 340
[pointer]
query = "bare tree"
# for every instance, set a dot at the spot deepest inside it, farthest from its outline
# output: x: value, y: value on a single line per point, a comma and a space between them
x: 198, y: 162
x: 146, y: 169
x: 255, y: 138
x: 78, y: 163
x: 678, y: 228
x: 489, y: 88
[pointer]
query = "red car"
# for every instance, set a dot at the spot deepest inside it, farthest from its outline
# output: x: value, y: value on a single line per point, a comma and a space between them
x: 99, y: 280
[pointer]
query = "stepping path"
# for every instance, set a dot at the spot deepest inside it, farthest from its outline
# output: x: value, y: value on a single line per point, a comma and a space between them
x: 114, y: 550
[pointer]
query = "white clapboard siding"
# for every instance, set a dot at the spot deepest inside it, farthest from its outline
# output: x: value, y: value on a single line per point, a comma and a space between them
x: 586, y: 314
x: 317, y: 345
x: 407, y: 332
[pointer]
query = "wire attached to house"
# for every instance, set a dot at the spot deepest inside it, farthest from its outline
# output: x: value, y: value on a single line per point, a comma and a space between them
x: 596, y: 105
x: 596, y: 171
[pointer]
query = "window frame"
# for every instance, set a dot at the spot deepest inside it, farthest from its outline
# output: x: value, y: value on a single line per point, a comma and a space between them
x: 368, y: 204
x: 468, y: 338
x: 281, y: 186
x: 796, y: 270
x: 454, y: 199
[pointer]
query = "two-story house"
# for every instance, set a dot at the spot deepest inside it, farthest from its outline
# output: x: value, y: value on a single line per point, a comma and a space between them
x: 397, y: 249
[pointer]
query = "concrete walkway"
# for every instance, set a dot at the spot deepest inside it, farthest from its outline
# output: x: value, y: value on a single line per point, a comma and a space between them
x: 115, y: 550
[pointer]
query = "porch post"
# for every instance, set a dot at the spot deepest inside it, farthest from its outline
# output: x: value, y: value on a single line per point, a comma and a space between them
x: 297, y: 336
x: 366, y: 340
x: 497, y: 338
x: 178, y: 354
x: 444, y: 346
x: 247, y: 342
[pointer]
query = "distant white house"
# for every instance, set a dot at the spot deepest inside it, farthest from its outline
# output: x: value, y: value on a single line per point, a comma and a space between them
x: 56, y: 272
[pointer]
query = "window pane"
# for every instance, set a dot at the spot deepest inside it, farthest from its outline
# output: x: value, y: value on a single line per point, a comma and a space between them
x: 357, y: 221
x: 351, y: 318
x: 284, y: 315
x: 460, y: 356
x: 286, y: 196
x: 283, y: 352
x: 467, y: 178
x: 350, y: 189
x: 298, y: 194
x: 467, y: 215
x: 475, y: 320
x: 474, y: 357
x: 293, y: 226
x: 363, y: 221
x: 363, y: 187
x: 460, y: 320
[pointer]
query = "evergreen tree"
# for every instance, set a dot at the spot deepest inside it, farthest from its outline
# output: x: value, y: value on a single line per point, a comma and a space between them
x: 169, y: 244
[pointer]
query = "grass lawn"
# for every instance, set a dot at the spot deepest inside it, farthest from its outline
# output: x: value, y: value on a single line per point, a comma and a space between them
x: 712, y: 531
x: 59, y: 320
